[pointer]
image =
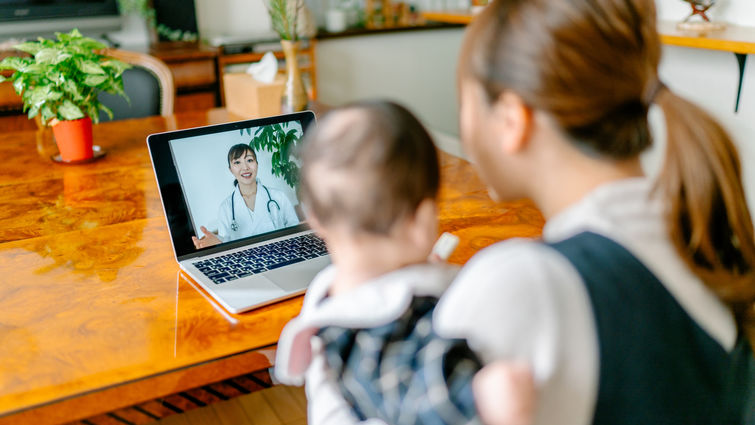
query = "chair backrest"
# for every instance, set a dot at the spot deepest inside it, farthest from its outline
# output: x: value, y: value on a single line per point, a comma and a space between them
x: 149, y: 85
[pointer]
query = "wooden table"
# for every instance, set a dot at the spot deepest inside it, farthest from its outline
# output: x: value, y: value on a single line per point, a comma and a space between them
x: 94, y: 313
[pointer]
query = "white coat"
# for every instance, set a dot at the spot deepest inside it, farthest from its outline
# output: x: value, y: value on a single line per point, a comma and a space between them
x: 270, y: 213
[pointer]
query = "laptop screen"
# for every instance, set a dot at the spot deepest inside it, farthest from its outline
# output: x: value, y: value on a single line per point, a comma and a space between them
x: 229, y: 184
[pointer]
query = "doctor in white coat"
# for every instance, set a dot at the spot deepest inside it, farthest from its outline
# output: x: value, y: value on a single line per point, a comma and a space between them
x: 252, y: 208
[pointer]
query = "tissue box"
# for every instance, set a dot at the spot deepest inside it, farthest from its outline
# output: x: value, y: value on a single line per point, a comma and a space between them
x: 249, y: 98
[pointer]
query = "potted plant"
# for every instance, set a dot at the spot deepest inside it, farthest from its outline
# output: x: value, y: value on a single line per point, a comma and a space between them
x: 60, y: 82
x: 284, y: 15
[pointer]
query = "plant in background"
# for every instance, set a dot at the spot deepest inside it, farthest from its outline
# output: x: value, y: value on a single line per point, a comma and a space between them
x: 62, y: 78
x: 281, y: 141
x: 145, y: 10
x: 170, y: 34
x: 284, y: 15
x: 139, y: 7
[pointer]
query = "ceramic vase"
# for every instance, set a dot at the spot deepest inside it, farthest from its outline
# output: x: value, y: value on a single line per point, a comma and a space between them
x: 294, y: 95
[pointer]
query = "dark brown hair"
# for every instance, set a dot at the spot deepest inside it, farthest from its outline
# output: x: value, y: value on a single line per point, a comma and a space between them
x: 237, y: 151
x: 592, y: 66
x: 368, y: 165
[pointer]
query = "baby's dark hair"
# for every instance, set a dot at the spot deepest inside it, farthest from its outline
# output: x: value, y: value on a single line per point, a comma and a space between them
x: 368, y: 165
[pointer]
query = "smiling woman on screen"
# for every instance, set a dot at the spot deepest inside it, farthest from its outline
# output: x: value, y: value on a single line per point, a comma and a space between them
x: 252, y: 208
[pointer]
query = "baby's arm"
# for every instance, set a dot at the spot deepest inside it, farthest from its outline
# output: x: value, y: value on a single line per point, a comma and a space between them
x: 505, y: 393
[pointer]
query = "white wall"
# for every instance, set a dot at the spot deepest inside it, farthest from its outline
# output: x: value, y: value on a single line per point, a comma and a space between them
x: 234, y: 17
x: 416, y: 68
x: 231, y: 17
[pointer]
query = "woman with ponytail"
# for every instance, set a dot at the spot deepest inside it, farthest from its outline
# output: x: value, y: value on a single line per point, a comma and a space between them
x: 635, y: 307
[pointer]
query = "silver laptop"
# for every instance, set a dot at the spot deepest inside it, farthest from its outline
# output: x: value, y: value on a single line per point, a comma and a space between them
x: 235, y: 186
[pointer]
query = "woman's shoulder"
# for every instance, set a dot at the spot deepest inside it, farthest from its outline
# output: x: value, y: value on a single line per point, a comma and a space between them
x: 515, y: 298
x: 516, y: 272
x: 518, y: 258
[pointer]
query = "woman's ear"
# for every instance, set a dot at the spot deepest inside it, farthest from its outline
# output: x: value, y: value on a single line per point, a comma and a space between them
x: 513, y: 122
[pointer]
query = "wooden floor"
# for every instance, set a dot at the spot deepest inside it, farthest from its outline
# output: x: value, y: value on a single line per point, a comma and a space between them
x: 279, y: 405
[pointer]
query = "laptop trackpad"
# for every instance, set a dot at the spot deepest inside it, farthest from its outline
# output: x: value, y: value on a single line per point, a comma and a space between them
x: 297, y: 276
x: 241, y: 294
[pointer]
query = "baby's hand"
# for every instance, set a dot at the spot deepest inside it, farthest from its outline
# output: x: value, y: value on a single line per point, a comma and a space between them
x: 505, y: 393
x: 443, y: 248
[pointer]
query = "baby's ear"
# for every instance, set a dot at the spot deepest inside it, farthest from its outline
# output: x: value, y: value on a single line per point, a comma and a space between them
x: 424, y: 224
x: 315, y: 224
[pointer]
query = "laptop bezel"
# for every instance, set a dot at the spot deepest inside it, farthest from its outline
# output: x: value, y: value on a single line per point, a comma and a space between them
x: 166, y: 175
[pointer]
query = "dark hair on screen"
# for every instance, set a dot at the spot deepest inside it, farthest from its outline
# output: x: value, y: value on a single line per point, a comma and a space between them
x: 237, y: 151
x: 380, y: 166
x: 592, y: 66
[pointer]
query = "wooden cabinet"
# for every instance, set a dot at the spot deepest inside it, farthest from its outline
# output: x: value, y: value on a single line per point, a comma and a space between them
x: 195, y: 73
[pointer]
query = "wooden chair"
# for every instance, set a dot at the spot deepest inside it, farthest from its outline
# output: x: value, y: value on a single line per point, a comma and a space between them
x: 136, y: 85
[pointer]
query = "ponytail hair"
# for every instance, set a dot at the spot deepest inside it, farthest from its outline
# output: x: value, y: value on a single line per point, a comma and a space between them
x: 592, y: 67
x: 707, y: 216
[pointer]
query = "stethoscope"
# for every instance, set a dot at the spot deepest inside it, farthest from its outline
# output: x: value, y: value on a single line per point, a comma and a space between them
x: 234, y: 225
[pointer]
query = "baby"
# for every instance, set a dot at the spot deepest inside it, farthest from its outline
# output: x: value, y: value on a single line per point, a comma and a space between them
x: 364, y: 341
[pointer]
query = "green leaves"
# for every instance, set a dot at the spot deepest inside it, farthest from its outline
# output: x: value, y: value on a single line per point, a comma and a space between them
x: 89, y: 67
x: 279, y: 140
x: 62, y: 78
x: 115, y: 66
x: 29, y: 47
x: 94, y: 80
x: 52, y: 56
x: 283, y: 15
x: 14, y: 63
x: 68, y: 111
x: 19, y: 85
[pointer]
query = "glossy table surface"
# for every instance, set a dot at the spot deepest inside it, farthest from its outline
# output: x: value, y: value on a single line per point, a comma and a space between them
x: 94, y: 313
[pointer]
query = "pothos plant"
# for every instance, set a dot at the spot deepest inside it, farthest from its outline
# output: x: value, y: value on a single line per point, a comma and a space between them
x: 62, y: 78
x: 281, y: 141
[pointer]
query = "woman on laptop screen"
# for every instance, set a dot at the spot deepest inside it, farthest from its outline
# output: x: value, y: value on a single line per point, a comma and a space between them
x: 252, y: 208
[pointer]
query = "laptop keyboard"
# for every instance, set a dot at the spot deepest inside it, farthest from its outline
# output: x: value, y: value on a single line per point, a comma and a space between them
x: 262, y: 258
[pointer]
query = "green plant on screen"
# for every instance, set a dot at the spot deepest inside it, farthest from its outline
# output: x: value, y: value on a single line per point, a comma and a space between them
x: 281, y: 141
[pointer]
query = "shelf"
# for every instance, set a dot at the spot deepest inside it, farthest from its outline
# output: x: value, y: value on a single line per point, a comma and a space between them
x: 733, y: 38
x: 449, y: 17
x: 354, y: 32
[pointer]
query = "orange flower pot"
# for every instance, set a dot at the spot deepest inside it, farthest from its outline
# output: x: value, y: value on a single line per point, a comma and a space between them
x: 74, y: 139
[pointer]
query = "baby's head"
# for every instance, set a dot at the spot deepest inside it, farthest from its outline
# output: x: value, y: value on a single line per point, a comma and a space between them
x: 371, y: 169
